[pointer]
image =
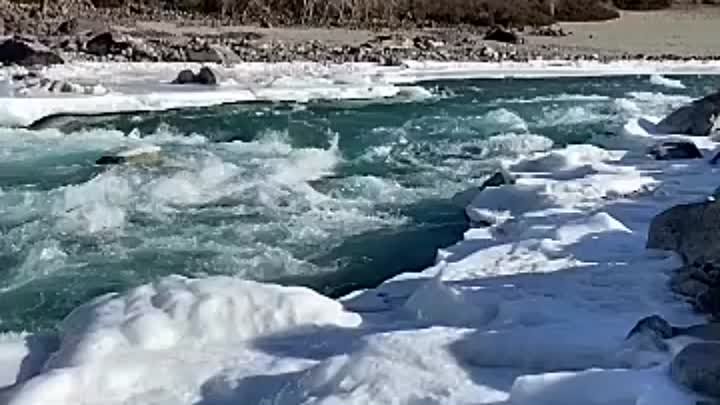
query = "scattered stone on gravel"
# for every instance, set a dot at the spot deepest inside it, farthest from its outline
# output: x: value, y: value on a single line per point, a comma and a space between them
x: 68, y: 27
x: 212, y: 54
x: 500, y: 34
x: 550, y: 31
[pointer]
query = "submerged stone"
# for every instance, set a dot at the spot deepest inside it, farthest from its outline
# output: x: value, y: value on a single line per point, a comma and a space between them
x: 147, y: 156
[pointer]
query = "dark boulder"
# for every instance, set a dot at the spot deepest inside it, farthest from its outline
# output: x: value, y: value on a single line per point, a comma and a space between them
x: 691, y: 230
x: 651, y: 333
x: 105, y: 44
x: 14, y: 51
x: 498, y: 179
x: 673, y: 150
x: 185, y: 77
x: 500, y: 34
x: 68, y: 27
x: 100, y: 44
x: 110, y: 160
x: 709, y: 302
x: 699, y: 118
x: 697, y: 367
x: 655, y: 325
x: 206, y: 76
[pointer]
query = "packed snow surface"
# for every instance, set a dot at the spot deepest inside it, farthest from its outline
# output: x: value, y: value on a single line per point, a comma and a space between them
x: 532, y: 310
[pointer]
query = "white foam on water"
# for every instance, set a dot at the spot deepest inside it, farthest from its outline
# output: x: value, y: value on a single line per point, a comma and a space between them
x: 564, y: 97
x: 571, y: 116
x: 267, y: 181
x: 660, y: 80
x: 513, y: 144
x: 507, y: 120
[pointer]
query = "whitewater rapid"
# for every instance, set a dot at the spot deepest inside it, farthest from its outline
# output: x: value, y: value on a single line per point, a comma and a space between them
x: 532, y: 310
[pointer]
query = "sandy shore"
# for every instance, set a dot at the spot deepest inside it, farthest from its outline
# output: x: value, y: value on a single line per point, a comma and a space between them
x: 682, y: 32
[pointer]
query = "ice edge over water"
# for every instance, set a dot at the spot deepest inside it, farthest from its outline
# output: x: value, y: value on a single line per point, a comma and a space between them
x: 145, y: 86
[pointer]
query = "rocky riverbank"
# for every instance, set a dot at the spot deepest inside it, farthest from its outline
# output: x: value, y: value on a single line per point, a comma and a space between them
x: 80, y: 33
x: 691, y: 230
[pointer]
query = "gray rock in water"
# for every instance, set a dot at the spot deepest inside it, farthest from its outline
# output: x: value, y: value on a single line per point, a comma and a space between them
x: 697, y: 367
x: 672, y: 150
x: 700, y: 118
x: 691, y: 230
x: 18, y: 52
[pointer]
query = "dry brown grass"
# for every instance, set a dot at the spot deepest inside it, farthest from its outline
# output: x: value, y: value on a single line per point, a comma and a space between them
x: 642, y: 4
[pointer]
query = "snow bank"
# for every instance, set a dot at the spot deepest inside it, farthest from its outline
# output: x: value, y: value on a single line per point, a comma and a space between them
x: 576, y: 176
x: 175, y: 314
x: 599, y: 387
x: 179, y: 311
